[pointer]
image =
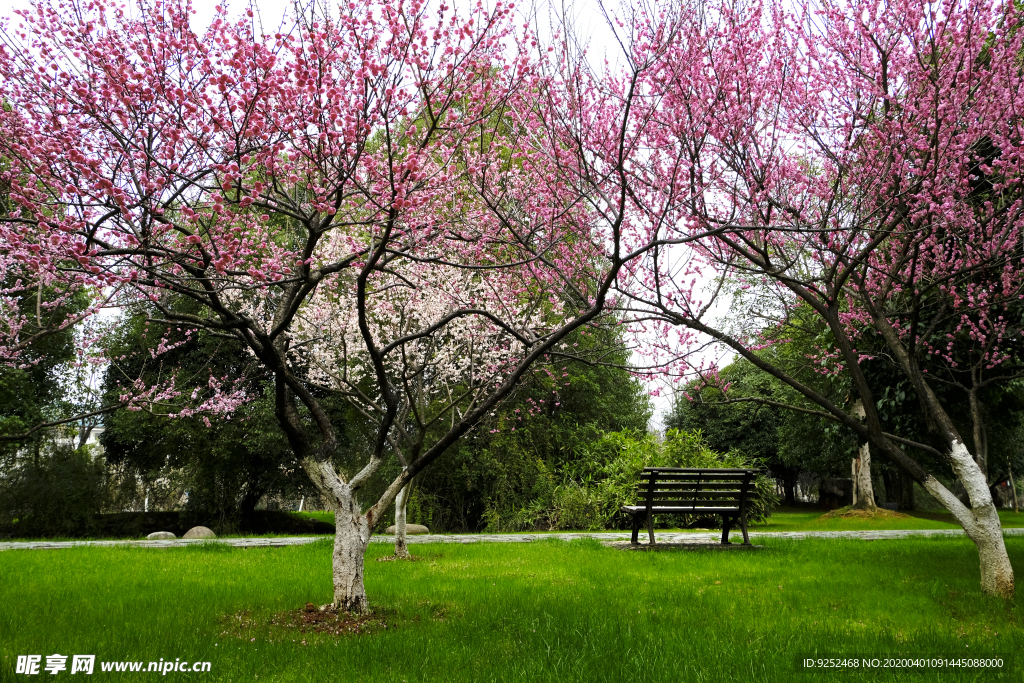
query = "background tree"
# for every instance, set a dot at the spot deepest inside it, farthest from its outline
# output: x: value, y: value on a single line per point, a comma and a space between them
x: 844, y: 183
x: 525, y: 462
x: 49, y: 483
x: 751, y: 427
x: 226, y: 465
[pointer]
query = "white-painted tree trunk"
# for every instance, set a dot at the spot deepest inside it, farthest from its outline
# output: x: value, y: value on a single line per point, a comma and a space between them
x: 1013, y: 490
x: 401, y: 508
x: 353, y: 528
x: 863, y: 490
x: 980, y: 521
x: 351, y: 537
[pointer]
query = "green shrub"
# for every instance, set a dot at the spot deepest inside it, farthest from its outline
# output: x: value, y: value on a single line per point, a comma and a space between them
x: 576, y: 507
x: 607, y: 476
x: 56, y: 493
x: 689, y: 449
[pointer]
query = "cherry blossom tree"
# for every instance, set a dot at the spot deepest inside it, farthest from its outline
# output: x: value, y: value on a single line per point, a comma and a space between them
x: 868, y: 168
x: 436, y: 378
x: 385, y: 196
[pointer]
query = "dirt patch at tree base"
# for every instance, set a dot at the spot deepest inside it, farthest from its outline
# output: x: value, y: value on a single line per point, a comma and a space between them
x: 396, y: 558
x: 852, y: 513
x: 293, y: 624
x: 328, y: 619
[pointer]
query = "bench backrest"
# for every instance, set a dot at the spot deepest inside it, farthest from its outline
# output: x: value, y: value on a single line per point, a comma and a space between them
x: 681, y: 487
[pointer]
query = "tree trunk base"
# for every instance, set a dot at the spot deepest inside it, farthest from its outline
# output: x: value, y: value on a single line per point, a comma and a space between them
x: 352, y: 536
x: 981, y: 524
x: 401, y: 504
x: 996, y: 571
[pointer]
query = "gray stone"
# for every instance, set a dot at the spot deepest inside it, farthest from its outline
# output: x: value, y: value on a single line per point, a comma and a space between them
x: 199, y: 532
x: 161, y: 536
x: 410, y: 529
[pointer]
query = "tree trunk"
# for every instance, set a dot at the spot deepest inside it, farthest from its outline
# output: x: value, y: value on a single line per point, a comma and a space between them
x: 998, y: 499
x: 1013, y: 489
x: 401, y: 507
x: 980, y: 521
x: 906, y: 499
x: 980, y: 440
x: 891, y: 486
x: 789, y: 486
x: 351, y: 537
x: 84, y: 432
x: 249, y: 501
x: 863, y: 490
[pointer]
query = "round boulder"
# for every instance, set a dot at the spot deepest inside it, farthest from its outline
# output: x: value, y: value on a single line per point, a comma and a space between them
x: 410, y: 529
x: 199, y: 532
x: 160, y: 536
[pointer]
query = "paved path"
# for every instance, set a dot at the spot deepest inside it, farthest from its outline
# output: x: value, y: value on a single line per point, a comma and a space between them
x: 607, y: 537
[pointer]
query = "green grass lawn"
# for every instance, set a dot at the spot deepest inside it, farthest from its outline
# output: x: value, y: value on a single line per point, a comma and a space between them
x: 809, y: 519
x: 317, y: 515
x: 545, y: 611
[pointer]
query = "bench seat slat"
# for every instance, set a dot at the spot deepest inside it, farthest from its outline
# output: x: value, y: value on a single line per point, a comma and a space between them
x: 684, y: 503
x: 698, y: 489
x: 669, y: 472
x: 695, y: 492
x: 695, y: 482
x: 699, y: 470
x: 677, y: 502
x: 710, y: 486
x: 664, y: 500
x: 647, y: 476
x: 692, y: 477
x: 632, y: 509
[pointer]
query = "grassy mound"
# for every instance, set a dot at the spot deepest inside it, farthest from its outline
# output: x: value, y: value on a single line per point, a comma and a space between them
x: 850, y: 512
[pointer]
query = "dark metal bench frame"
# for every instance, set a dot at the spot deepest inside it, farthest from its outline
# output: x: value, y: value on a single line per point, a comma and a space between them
x: 681, y: 490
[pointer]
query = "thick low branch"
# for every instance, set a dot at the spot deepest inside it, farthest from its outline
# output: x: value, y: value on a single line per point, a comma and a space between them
x: 56, y: 423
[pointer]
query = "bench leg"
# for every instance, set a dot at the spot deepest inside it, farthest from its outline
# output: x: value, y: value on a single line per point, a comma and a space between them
x: 636, y: 529
x: 743, y: 525
x: 726, y: 523
x: 650, y: 527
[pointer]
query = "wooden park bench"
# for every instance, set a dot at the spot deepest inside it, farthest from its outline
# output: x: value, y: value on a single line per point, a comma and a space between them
x: 679, y: 490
